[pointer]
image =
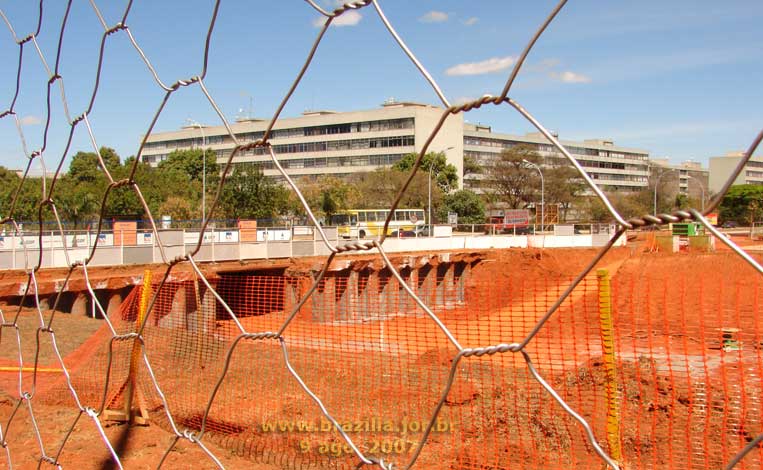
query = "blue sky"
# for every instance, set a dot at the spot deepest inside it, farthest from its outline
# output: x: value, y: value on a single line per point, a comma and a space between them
x: 680, y: 79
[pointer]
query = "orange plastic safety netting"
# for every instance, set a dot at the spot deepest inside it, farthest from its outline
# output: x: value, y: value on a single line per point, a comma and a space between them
x: 684, y: 390
x: 361, y: 357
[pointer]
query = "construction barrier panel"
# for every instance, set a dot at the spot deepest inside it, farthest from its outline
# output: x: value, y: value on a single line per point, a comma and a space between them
x: 665, y: 365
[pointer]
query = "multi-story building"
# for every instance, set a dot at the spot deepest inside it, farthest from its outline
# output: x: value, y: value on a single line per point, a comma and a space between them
x: 325, y: 142
x: 689, y: 178
x: 611, y: 167
x: 333, y: 143
x: 721, y: 169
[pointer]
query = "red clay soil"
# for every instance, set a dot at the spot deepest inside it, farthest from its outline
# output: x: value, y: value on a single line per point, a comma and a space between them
x: 139, y: 447
x: 668, y: 310
x: 147, y: 444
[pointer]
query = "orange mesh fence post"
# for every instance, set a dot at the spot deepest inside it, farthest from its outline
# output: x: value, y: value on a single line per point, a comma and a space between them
x: 650, y: 244
x: 610, y: 366
x: 130, y: 386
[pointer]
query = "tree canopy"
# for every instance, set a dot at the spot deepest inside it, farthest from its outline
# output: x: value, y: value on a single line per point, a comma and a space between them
x: 563, y: 186
x: 743, y: 203
x: 511, y: 180
x: 191, y: 163
x: 467, y: 204
x: 173, y: 188
x: 444, y: 174
x: 248, y: 194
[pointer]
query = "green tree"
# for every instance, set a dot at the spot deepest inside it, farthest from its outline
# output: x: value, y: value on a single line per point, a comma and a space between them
x: 249, y: 194
x: 471, y: 166
x: 511, y: 180
x: 191, y: 163
x: 563, y: 186
x: 9, y: 184
x: 742, y: 203
x: 593, y: 210
x: 326, y: 195
x: 444, y: 174
x: 666, y: 182
x: 178, y: 209
x: 378, y: 189
x: 467, y: 204
x: 682, y: 201
x: 77, y: 201
x: 85, y: 167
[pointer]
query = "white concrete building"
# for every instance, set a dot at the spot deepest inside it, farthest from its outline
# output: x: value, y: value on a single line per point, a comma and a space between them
x: 612, y: 167
x: 326, y: 142
x: 722, y: 167
x: 341, y: 143
x: 688, y: 178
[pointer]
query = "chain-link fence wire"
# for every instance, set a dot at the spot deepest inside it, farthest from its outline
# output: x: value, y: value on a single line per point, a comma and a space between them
x: 683, y: 394
x: 277, y: 338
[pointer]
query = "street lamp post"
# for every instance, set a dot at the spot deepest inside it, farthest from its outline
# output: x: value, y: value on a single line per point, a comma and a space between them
x: 542, y: 194
x: 656, y: 183
x: 429, y: 202
x: 204, y: 168
x: 701, y: 187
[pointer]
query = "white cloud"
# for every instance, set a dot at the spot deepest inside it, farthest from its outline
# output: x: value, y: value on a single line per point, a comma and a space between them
x: 570, y: 77
x: 471, y: 21
x: 348, y: 18
x: 492, y: 65
x: 31, y: 120
x: 543, y: 66
x: 434, y: 16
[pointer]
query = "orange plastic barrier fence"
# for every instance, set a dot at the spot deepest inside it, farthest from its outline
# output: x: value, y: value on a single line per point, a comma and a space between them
x: 688, y: 367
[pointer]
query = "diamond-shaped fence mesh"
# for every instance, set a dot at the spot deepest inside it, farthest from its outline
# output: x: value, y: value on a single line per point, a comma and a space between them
x: 398, y: 367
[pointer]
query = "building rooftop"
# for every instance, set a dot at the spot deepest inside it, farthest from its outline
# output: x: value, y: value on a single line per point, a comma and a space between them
x: 537, y: 137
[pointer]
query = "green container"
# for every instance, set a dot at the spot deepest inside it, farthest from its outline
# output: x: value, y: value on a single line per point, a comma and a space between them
x: 689, y: 229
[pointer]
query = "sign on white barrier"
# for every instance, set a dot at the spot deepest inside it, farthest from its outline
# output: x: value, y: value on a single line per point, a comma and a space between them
x: 145, y: 238
x: 227, y: 236
x: 273, y: 235
x: 190, y: 238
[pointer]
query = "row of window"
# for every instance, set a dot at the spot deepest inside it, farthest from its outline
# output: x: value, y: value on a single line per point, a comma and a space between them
x: 607, y: 165
x: 186, y: 143
x: 368, y: 126
x: 354, y: 144
x: 334, y: 162
x: 597, y: 164
x: 487, y: 158
x: 618, y: 177
x: 153, y: 158
x: 317, y: 162
x: 505, y: 144
x: 401, y: 215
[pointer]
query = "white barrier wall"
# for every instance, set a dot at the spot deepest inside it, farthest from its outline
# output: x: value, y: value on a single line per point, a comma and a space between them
x: 178, y: 243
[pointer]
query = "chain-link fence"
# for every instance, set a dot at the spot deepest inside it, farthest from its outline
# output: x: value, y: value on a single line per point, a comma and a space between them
x: 547, y: 408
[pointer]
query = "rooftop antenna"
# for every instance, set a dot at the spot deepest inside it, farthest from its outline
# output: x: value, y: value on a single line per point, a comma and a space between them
x: 241, y: 116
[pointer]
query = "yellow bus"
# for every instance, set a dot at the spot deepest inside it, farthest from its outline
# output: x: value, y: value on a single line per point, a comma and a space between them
x: 362, y: 223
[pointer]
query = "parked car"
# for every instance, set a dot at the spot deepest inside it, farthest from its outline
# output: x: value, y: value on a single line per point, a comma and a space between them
x: 526, y: 230
x: 422, y: 231
x: 402, y: 234
x: 730, y: 224
x: 415, y: 233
